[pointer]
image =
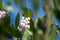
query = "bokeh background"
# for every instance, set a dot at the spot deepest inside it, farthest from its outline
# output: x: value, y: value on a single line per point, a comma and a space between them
x: 29, y: 4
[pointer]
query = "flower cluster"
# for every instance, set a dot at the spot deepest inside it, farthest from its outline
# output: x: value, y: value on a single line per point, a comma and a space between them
x: 25, y: 22
x: 2, y: 14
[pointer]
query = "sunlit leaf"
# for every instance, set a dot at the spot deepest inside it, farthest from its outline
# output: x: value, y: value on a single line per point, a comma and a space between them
x: 26, y: 35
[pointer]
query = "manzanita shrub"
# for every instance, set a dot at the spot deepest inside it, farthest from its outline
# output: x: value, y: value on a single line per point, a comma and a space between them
x: 27, y: 28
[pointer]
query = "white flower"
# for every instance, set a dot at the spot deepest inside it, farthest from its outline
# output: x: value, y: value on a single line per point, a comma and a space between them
x: 28, y: 18
x: 25, y: 22
x: 2, y: 13
x: 28, y: 21
x: 27, y: 26
x: 22, y: 24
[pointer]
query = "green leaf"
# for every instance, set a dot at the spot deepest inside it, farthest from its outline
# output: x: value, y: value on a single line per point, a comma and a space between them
x: 3, y: 29
x: 6, y: 20
x: 53, y: 32
x: 13, y: 31
x: 53, y: 29
x: 39, y: 23
x: 57, y: 13
x: 17, y: 20
x: 32, y: 25
x: 53, y: 36
x: 27, y: 12
x: 38, y: 35
x: 26, y: 35
x: 58, y: 29
x: 56, y: 3
x: 0, y: 3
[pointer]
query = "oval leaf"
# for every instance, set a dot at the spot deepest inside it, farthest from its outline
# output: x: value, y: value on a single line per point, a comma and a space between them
x: 17, y: 20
